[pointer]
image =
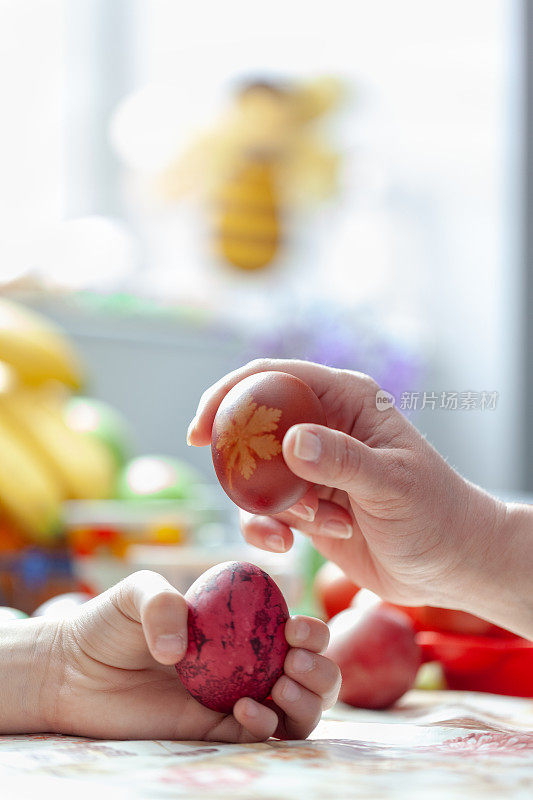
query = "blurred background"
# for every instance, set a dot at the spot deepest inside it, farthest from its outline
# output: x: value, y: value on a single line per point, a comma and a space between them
x: 187, y: 186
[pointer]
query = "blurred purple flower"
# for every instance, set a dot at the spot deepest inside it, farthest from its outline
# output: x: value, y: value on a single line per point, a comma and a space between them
x: 334, y: 338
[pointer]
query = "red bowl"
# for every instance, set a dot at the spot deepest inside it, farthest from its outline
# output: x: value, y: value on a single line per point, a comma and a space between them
x: 481, y: 663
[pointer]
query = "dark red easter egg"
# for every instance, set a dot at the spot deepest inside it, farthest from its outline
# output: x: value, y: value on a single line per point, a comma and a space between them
x: 236, y: 629
x: 248, y: 430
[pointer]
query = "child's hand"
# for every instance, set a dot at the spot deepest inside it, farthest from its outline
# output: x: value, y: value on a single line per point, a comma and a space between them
x: 387, y: 508
x: 110, y: 673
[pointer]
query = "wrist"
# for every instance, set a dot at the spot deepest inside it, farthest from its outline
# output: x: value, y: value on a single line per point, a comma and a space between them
x: 516, y: 577
x: 502, y: 589
x: 29, y: 675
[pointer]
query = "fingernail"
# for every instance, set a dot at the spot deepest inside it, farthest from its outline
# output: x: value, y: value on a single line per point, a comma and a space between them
x: 192, y: 426
x: 290, y: 690
x: 307, y: 446
x: 336, y: 529
x: 302, y: 661
x: 275, y: 543
x: 251, y: 709
x: 301, y: 631
x: 303, y: 512
x: 170, y: 644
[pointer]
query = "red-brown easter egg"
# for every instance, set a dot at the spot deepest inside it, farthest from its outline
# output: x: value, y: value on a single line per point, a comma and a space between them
x: 246, y: 441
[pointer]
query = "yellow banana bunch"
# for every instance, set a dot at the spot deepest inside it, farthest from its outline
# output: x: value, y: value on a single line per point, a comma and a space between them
x: 82, y: 466
x: 34, y: 348
x: 30, y: 495
x: 42, y: 460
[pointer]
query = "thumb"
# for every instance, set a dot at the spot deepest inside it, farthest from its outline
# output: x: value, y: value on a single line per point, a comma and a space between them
x: 332, y: 458
x: 148, y: 598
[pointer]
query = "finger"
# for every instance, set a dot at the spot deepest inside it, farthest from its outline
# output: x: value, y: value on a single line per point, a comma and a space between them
x: 318, y: 377
x: 150, y: 599
x: 250, y: 722
x: 302, y: 709
x: 274, y: 533
x: 331, y: 520
x: 314, y: 672
x: 267, y: 533
x: 307, y: 632
x: 332, y: 458
x: 258, y: 722
x: 307, y: 507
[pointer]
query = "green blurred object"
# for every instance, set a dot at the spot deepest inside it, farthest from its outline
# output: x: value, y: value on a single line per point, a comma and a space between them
x: 311, y: 561
x: 430, y: 677
x: 154, y: 477
x: 100, y: 420
x: 7, y: 614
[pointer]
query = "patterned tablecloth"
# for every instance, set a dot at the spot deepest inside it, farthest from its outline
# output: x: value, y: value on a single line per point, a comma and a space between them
x: 433, y: 744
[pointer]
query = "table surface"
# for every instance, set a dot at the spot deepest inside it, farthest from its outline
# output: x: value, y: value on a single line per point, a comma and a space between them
x: 433, y: 744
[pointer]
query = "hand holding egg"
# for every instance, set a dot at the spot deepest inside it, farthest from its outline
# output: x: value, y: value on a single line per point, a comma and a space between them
x: 131, y: 637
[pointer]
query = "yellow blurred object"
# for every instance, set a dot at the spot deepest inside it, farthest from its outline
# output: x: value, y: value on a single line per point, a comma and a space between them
x: 30, y: 494
x: 263, y: 157
x: 246, y: 225
x: 8, y: 378
x: 42, y: 460
x: 35, y: 348
x: 82, y: 466
x: 318, y: 97
x: 166, y: 534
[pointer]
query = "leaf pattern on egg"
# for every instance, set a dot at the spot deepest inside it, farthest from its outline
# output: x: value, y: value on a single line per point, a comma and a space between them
x: 246, y: 436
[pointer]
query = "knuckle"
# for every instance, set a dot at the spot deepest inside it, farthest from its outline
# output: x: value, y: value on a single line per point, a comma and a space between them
x: 259, y: 364
x: 402, y: 475
x: 141, y: 576
x: 369, y: 383
x: 345, y: 461
x: 362, y: 381
x: 128, y: 585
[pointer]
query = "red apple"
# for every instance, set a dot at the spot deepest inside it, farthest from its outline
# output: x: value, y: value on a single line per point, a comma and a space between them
x: 333, y: 590
x: 376, y: 652
x: 246, y: 441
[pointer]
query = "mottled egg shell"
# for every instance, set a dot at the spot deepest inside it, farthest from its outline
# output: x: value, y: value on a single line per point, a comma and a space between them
x: 248, y: 430
x: 236, y: 630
